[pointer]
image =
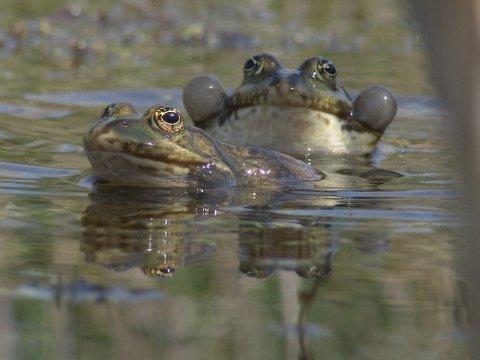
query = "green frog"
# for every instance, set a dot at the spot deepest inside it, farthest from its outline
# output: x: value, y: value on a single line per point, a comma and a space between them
x: 297, y: 111
x: 159, y: 149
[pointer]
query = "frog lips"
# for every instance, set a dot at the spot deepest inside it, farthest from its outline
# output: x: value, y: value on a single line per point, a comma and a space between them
x: 127, y: 136
x: 290, y: 90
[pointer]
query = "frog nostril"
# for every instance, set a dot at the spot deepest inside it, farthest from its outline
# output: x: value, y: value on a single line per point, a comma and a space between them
x: 293, y: 82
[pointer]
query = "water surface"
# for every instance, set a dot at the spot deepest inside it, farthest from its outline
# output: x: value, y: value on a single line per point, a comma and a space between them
x: 365, y: 266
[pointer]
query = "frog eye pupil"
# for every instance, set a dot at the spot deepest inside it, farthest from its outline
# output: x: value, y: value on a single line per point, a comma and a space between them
x: 249, y: 64
x: 171, y: 117
x: 254, y: 65
x: 330, y: 69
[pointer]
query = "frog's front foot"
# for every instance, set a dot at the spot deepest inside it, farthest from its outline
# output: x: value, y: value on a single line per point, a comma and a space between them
x: 375, y: 107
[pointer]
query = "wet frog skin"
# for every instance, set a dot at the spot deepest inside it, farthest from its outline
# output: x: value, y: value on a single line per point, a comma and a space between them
x: 297, y: 111
x: 159, y: 149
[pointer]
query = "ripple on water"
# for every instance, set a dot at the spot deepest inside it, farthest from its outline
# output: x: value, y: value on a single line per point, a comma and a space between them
x: 33, y: 112
x: 21, y: 171
x: 80, y: 291
x: 142, y: 98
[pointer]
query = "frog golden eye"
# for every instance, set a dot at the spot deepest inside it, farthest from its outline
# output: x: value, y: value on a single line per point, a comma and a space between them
x: 167, y: 118
x: 254, y: 65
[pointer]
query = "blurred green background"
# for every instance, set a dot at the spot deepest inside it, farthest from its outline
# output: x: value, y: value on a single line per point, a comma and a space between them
x: 125, y: 44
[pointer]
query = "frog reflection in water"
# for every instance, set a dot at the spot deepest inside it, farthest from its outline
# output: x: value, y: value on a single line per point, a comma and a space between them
x: 155, y: 230
x: 269, y: 242
x: 301, y: 111
x: 160, y: 150
x: 127, y: 228
x: 307, y: 250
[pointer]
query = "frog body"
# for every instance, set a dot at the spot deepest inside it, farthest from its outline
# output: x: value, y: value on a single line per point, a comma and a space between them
x: 159, y: 149
x: 296, y: 111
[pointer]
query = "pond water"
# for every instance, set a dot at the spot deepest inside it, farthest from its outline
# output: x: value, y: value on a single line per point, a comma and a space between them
x: 368, y: 266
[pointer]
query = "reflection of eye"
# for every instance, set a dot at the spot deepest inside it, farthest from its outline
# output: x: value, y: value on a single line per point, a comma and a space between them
x: 167, y: 118
x: 168, y: 271
x: 158, y: 271
x: 253, y: 65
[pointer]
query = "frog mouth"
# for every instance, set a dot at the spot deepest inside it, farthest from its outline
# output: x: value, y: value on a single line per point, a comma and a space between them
x: 128, y: 169
x: 205, y: 98
x: 105, y: 139
x: 140, y: 152
x: 284, y: 96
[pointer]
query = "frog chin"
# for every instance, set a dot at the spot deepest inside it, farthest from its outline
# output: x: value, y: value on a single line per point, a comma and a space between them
x: 292, y: 130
